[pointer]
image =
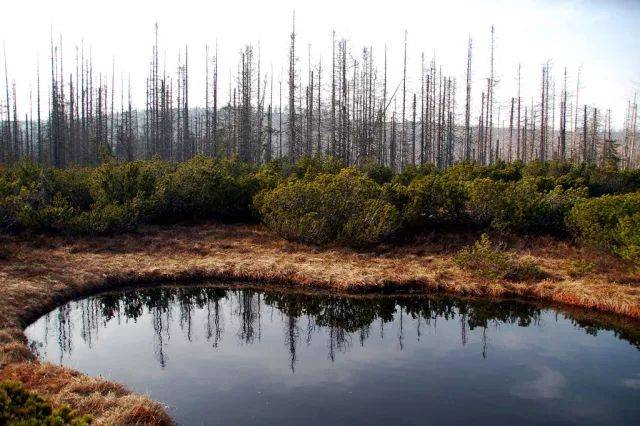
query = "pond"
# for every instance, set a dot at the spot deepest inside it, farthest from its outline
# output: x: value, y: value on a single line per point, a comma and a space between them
x: 244, y: 355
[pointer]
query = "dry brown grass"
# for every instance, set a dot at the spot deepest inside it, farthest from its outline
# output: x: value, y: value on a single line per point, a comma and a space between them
x: 41, y: 272
x: 109, y: 403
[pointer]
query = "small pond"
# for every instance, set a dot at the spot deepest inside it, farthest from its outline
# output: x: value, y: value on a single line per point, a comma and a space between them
x: 241, y: 355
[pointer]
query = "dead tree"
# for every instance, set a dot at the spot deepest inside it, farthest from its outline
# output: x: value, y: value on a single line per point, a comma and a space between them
x: 467, y: 108
x: 292, y: 95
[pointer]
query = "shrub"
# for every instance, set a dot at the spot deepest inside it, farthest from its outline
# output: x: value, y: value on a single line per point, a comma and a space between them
x: 519, y: 207
x: 377, y: 219
x: 309, y: 167
x: 74, y: 186
x: 486, y: 260
x: 345, y: 207
x: 627, y: 236
x: 411, y: 172
x: 379, y: 173
x: 20, y: 407
x: 596, y: 221
x: 8, y: 208
x: 486, y: 198
x: 122, y: 183
x: 610, y: 180
x: 435, y: 199
x: 396, y: 194
x: 499, y: 171
x: 36, y: 215
x: 107, y: 219
x: 202, y: 188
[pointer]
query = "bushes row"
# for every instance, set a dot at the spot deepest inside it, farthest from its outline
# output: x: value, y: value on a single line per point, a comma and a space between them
x: 351, y: 208
x: 116, y: 197
x: 321, y: 201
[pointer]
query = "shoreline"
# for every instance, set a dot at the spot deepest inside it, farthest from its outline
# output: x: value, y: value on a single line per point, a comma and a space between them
x: 43, y: 272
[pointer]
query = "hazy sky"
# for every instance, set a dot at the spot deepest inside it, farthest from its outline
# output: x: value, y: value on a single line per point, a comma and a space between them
x: 601, y: 36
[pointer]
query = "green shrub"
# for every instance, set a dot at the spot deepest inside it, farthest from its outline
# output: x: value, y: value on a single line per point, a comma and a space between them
x: 379, y: 173
x: 627, y: 236
x: 345, y: 207
x: 123, y: 182
x: 519, y: 207
x: 377, y: 219
x: 397, y: 195
x: 411, y: 172
x: 74, y: 186
x: 596, y: 221
x: 309, y: 167
x: 486, y: 198
x: 499, y: 171
x: 202, y: 188
x: 38, y: 216
x: 435, y: 199
x: 8, y: 209
x: 610, y: 180
x: 488, y: 261
x: 20, y: 407
x: 107, y: 219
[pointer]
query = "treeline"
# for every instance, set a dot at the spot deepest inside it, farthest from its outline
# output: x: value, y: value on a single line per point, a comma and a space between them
x: 324, y: 202
x: 344, y: 107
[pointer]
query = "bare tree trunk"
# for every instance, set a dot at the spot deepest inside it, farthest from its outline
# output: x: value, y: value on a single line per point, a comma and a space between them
x: 413, y: 136
x: 467, y: 110
x: 490, y: 92
x: 563, y: 119
x: 403, y: 139
x: 292, y: 96
x: 584, y: 136
x: 511, y: 130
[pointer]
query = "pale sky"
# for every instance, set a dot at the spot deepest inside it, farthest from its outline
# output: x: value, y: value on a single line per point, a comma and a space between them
x: 601, y: 36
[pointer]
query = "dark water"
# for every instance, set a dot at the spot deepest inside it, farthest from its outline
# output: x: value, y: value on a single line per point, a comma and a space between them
x: 241, y: 356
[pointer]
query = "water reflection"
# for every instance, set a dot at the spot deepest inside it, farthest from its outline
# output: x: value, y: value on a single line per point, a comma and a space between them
x: 342, y: 321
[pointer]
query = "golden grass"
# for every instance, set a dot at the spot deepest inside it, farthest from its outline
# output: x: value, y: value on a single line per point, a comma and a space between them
x: 37, y: 273
x: 109, y: 403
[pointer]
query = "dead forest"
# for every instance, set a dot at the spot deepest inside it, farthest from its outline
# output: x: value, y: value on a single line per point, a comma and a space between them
x: 345, y: 107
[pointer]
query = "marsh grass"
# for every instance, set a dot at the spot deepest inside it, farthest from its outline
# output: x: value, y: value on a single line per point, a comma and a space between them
x: 21, y: 407
x: 491, y: 261
x: 580, y: 268
x: 46, y: 271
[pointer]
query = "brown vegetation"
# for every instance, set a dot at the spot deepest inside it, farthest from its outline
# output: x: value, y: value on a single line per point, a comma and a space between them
x: 37, y: 273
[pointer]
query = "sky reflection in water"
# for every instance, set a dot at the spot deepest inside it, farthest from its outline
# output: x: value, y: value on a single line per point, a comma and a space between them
x: 242, y: 356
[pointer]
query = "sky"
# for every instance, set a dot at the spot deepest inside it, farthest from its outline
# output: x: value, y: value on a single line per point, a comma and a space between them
x: 602, y: 38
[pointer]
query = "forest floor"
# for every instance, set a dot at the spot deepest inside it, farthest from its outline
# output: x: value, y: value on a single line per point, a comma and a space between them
x: 38, y: 273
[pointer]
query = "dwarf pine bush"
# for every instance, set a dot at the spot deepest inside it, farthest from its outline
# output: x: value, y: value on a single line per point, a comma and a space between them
x: 346, y: 207
x: 597, y: 221
x: 20, y: 407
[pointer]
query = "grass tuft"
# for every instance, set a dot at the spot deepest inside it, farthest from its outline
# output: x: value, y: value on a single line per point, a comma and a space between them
x: 487, y: 260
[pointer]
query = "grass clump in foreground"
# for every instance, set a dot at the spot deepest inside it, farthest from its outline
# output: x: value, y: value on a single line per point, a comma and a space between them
x: 20, y: 407
x: 580, y: 268
x: 489, y: 261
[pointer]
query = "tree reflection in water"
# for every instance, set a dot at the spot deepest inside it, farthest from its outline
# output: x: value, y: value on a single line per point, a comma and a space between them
x: 304, y: 315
